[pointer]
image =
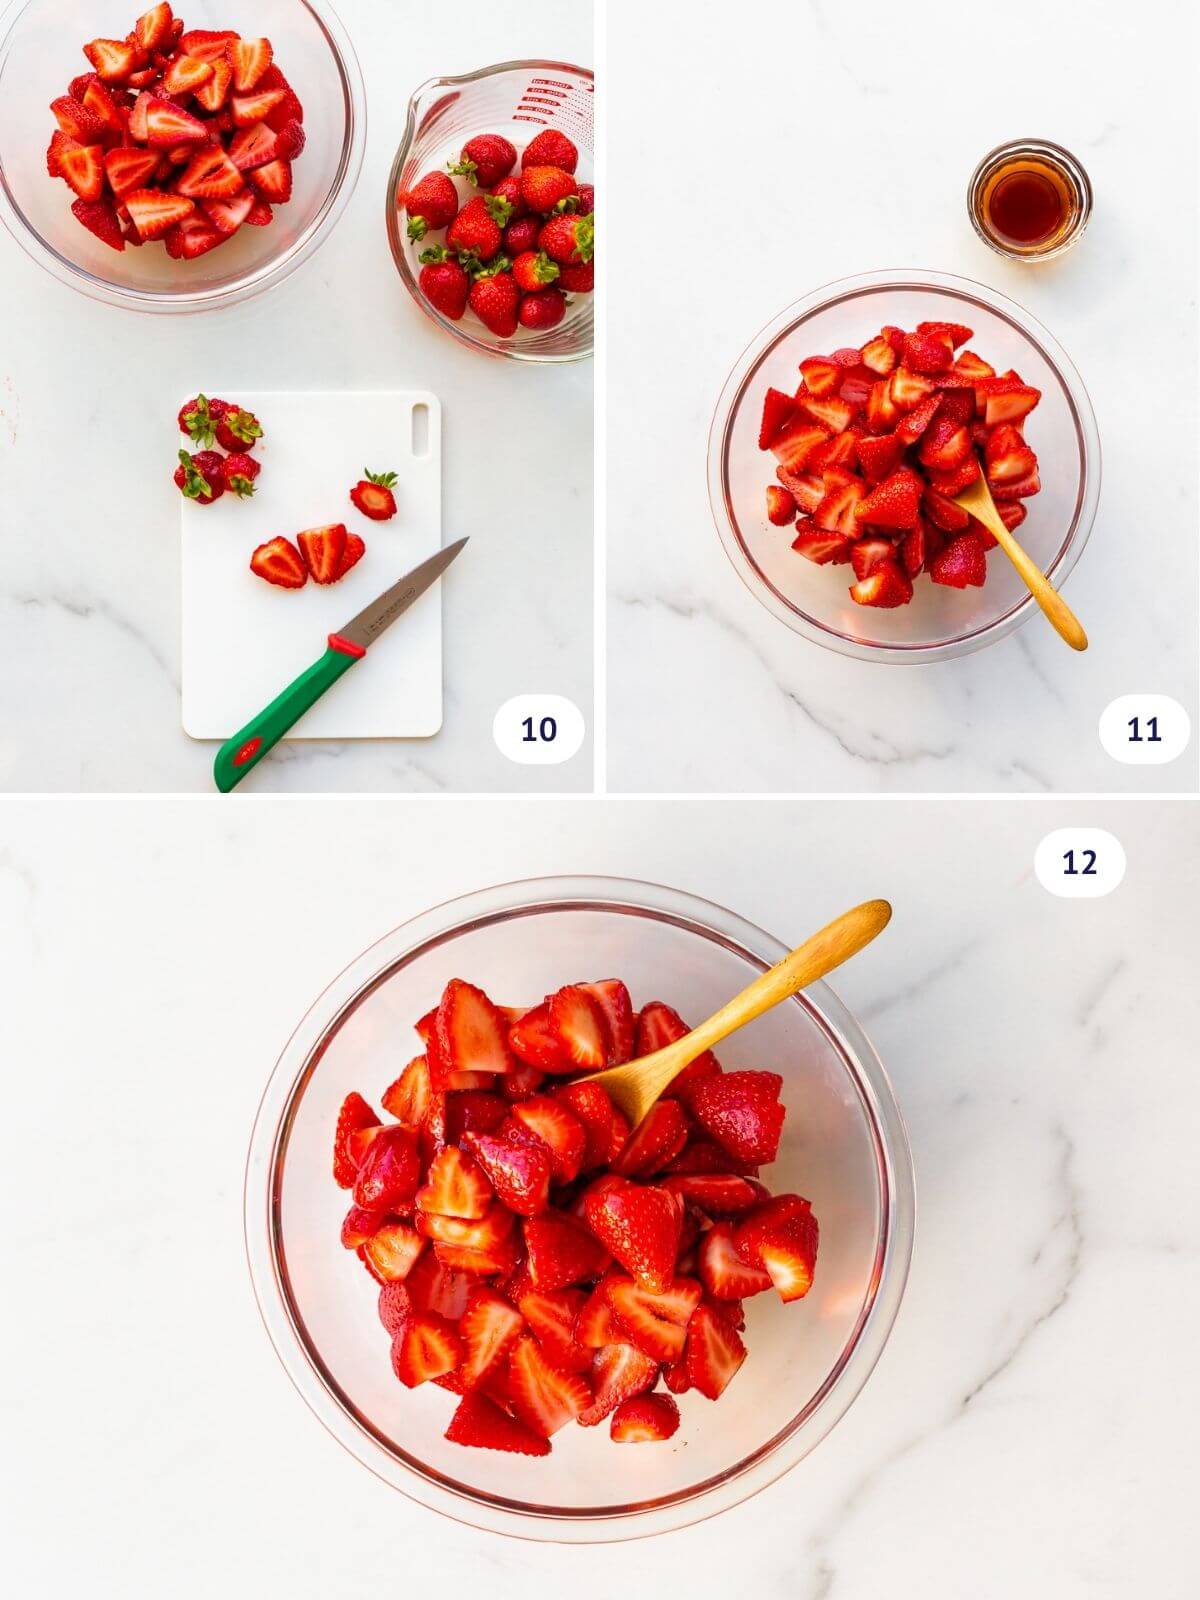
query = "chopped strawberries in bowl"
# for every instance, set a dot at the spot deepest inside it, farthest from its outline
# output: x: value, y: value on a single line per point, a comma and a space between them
x: 889, y: 434
x: 590, y: 1261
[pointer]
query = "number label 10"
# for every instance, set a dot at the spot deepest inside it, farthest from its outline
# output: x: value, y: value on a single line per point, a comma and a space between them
x: 539, y: 730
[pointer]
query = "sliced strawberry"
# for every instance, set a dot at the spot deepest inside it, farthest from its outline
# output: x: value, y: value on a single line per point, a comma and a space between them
x: 559, y: 1129
x: 815, y: 544
x: 675, y: 1377
x: 591, y: 1105
x: 425, y: 1347
x: 968, y: 365
x: 656, y: 1323
x: 928, y: 352
x: 907, y: 389
x: 408, y: 1098
x: 714, y: 1352
x: 251, y: 108
x: 210, y: 175
x: 355, y: 1114
x: 228, y: 215
x: 657, y: 1139
x: 619, y: 1371
x: 839, y: 451
x: 253, y: 147
x: 60, y: 142
x: 151, y: 29
x: 395, y: 1306
x: 778, y: 410
x: 796, y: 441
x: 577, y: 1022
x: 561, y: 1252
x: 205, y: 44
x: 278, y: 561
x: 469, y: 1034
x: 82, y: 165
x: 879, y: 356
x: 489, y: 1328
x: 718, y: 1194
x: 836, y: 512
x: 918, y: 546
x: 455, y: 1186
x: 882, y: 412
x: 518, y: 1165
x: 552, y: 1318
x: 250, y: 58
x: 805, y: 488
x: 646, y: 1419
x: 870, y: 554
x: 128, y: 169
x: 535, y: 1042
x: 214, y: 92
x: 595, y: 1325
x: 355, y: 546
x: 98, y: 217
x: 76, y: 121
x: 894, y: 503
x: 963, y: 562
x: 99, y: 102
x: 788, y: 1253
x: 948, y: 515
x: 359, y: 1225
x: 1005, y: 399
x: 273, y: 181
x: 1021, y: 489
x: 659, y: 1025
x: 185, y: 75
x: 832, y: 413
x: 1006, y: 455
x: 888, y: 586
x: 741, y: 1111
x: 639, y: 1225
x: 391, y: 1252
x: 766, y: 1218
x: 725, y: 1274
x: 434, y: 1287
x: 481, y: 1423
x: 951, y: 483
x: 169, y: 125
x: 388, y: 1177
x: 945, y: 446
x: 1012, y: 515
x: 113, y: 59
x: 703, y: 1156
x: 474, y: 1233
x: 544, y: 1397
x: 821, y: 376
x: 611, y: 995
x: 497, y: 1261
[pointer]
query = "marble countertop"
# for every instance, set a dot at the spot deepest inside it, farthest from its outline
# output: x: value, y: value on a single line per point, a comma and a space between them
x: 1027, y: 1429
x: 844, y: 138
x: 89, y: 583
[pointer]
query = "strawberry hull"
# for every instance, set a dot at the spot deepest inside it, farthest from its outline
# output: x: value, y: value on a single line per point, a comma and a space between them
x: 539, y: 1259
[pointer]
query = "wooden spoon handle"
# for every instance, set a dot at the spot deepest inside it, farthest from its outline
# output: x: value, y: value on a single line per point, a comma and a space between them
x: 1057, y: 612
x: 840, y: 939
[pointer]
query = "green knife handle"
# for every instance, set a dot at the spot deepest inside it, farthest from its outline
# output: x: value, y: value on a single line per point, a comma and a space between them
x: 241, y: 754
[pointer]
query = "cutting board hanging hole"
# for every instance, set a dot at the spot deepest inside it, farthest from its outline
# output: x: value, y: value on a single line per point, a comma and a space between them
x: 420, y: 431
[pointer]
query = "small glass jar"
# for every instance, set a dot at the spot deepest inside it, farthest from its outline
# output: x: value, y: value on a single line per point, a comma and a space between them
x: 1029, y: 200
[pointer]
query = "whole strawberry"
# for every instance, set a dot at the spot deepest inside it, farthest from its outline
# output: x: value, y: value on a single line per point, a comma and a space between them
x: 373, y: 496
x: 198, y: 418
x: 238, y: 431
x: 475, y: 232
x: 494, y: 299
x: 444, y: 283
x: 587, y: 198
x: 569, y: 239
x: 543, y: 187
x: 200, y: 477
x: 509, y: 189
x: 485, y: 160
x: 431, y: 204
x: 533, y: 271
x: 545, y: 309
x: 521, y: 235
x: 550, y: 148
x: 238, y: 473
x: 579, y: 279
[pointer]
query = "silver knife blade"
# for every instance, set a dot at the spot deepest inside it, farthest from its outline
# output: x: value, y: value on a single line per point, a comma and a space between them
x: 377, y: 618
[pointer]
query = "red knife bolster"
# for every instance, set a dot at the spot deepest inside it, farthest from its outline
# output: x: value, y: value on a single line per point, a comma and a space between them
x: 347, y: 647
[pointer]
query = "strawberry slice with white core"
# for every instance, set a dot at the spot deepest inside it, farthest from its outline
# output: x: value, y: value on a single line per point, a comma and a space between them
x: 489, y: 1328
x: 168, y: 125
x: 577, y: 1022
x: 724, y: 1272
x: 455, y: 1186
x: 544, y: 1397
x: 425, y: 1347
x: 391, y: 1253
x: 656, y: 1323
x: 469, y: 1034
x: 250, y: 59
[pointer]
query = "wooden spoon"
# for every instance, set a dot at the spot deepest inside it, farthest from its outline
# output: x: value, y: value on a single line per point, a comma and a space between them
x: 977, y: 499
x: 635, y: 1086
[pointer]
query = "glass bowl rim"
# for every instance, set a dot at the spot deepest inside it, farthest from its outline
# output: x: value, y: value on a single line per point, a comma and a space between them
x: 399, y: 248
x: 272, y: 272
x: 745, y: 370
x: 302, y: 1364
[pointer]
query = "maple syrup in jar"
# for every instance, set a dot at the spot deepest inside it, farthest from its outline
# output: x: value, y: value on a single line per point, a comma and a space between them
x: 1030, y: 200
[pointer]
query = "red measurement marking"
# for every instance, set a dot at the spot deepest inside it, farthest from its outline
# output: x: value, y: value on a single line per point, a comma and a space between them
x: 247, y: 752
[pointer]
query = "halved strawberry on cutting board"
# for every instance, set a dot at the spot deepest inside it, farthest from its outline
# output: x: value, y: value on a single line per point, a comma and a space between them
x: 279, y: 562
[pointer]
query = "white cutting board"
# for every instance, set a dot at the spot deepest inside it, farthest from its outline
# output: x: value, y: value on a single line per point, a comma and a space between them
x: 245, y: 640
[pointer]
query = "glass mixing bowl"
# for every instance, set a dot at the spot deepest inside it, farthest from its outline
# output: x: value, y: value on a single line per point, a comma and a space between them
x: 516, y: 99
x: 41, y: 50
x: 844, y: 1147
x: 941, y: 622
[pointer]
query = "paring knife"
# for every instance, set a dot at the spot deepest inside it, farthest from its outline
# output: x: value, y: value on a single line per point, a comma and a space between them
x: 241, y: 754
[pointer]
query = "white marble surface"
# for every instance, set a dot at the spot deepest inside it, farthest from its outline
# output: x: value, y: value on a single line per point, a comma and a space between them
x: 89, y: 581
x: 847, y: 134
x: 1029, y: 1428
